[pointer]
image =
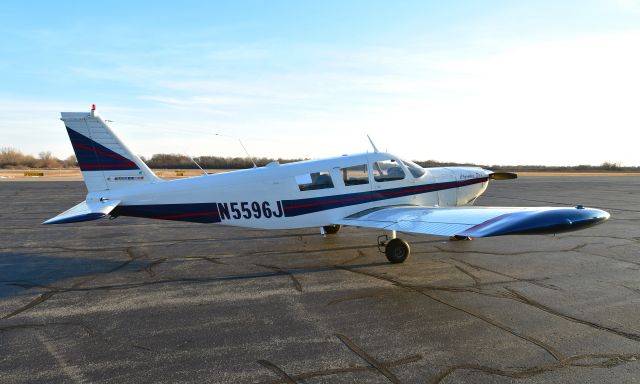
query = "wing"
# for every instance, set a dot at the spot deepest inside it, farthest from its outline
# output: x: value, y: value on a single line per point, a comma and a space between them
x: 477, y: 221
x: 84, y: 211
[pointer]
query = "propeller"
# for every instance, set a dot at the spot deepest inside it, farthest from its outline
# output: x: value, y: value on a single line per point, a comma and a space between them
x: 503, y: 176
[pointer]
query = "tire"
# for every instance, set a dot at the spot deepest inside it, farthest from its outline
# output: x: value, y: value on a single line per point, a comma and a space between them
x: 397, y: 251
x: 331, y: 229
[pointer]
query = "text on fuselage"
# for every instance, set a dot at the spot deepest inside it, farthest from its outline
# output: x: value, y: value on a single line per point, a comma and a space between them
x: 249, y: 210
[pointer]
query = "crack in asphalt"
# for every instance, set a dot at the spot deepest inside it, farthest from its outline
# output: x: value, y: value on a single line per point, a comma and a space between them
x: 285, y: 272
x: 351, y: 298
x: 211, y: 259
x: 549, y: 349
x: 608, y: 361
x: 534, y: 281
x: 351, y: 369
x: 613, y: 258
x: 523, y: 299
x: 476, y: 280
x: 368, y: 358
x: 468, y: 251
x: 150, y: 266
x: 359, y: 255
x: 277, y: 370
x: 374, y: 365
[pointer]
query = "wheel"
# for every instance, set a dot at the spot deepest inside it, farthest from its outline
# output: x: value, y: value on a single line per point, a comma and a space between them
x: 460, y: 238
x: 331, y: 229
x: 397, y: 251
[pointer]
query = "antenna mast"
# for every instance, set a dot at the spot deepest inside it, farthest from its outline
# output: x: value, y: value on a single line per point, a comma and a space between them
x: 197, y: 165
x: 243, y: 147
x: 247, y: 152
x: 375, y: 149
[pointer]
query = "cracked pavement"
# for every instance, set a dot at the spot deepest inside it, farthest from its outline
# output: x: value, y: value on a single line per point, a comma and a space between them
x: 158, y: 301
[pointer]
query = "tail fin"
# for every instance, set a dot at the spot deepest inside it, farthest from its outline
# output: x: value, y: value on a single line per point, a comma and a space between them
x: 106, y: 163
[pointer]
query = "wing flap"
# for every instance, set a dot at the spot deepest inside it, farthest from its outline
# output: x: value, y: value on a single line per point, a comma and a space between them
x: 84, y: 211
x: 477, y: 221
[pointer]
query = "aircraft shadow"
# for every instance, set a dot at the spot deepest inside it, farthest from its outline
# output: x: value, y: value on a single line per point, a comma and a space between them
x: 20, y: 271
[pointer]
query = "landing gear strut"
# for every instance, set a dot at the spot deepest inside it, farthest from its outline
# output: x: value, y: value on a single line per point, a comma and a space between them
x: 396, y: 250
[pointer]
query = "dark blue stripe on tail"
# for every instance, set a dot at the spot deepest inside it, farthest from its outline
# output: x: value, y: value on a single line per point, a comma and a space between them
x: 92, y: 156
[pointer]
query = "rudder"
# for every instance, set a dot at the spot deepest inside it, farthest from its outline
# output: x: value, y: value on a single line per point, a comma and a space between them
x: 106, y: 163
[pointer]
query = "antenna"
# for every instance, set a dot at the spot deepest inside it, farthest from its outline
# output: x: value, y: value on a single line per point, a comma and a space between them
x: 247, y: 152
x: 197, y: 165
x: 375, y: 149
x: 243, y: 147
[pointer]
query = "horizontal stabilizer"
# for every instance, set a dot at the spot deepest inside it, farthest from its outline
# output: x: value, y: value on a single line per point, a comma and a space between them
x: 85, y: 211
x: 477, y: 221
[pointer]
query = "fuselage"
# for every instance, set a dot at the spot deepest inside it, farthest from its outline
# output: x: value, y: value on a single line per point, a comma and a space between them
x: 301, y: 194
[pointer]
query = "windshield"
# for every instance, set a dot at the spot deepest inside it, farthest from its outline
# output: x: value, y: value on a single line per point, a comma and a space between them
x: 416, y: 170
x: 387, y: 170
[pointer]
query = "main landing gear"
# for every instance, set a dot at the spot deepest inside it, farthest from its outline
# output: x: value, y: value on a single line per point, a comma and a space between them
x: 396, y: 250
x: 331, y: 229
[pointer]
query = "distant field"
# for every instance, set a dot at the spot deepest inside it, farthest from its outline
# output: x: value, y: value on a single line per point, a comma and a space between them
x: 74, y: 174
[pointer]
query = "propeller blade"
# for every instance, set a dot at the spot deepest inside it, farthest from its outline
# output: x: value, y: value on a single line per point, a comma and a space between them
x: 503, y: 176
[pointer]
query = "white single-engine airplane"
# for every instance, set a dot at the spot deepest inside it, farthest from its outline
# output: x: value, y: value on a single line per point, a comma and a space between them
x: 375, y: 190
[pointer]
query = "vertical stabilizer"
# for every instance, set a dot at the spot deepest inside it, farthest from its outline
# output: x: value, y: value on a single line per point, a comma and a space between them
x: 106, y: 163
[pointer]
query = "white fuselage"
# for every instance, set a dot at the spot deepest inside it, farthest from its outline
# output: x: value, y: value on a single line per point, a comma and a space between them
x: 274, y: 196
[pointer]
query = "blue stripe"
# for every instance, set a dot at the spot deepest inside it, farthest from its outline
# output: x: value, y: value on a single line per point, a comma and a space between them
x: 316, y: 204
x: 92, y: 156
x: 194, y: 212
x: 540, y: 221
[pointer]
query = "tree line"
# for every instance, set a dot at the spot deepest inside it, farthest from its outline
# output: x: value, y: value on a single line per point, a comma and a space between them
x: 11, y: 158
x: 178, y: 161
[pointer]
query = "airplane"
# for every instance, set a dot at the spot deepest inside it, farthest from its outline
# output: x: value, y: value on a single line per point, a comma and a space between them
x: 373, y: 190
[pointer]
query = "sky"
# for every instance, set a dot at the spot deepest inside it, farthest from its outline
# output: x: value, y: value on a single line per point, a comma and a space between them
x: 488, y: 82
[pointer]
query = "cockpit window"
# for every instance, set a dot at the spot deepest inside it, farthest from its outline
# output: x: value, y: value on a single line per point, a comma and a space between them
x: 416, y: 170
x: 387, y: 170
x: 314, y: 180
x: 355, y: 175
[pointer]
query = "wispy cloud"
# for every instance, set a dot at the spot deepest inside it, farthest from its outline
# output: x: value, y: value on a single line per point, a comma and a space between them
x: 483, y: 95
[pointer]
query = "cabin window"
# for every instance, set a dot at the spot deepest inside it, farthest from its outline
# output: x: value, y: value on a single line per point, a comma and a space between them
x: 387, y: 170
x: 355, y: 175
x: 416, y: 170
x: 314, y: 180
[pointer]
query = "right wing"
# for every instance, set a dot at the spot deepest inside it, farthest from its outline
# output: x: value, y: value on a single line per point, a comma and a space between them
x: 477, y: 221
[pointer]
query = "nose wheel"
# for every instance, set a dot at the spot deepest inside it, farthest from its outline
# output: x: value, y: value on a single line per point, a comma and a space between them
x: 396, y: 250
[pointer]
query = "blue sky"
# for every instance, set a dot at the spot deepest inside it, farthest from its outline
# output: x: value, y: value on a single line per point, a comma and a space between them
x: 493, y: 82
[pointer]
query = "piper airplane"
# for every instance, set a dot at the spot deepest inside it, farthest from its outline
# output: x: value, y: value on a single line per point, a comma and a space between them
x: 374, y: 190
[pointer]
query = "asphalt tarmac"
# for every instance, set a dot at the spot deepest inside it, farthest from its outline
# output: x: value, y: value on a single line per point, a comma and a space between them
x: 135, y: 300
